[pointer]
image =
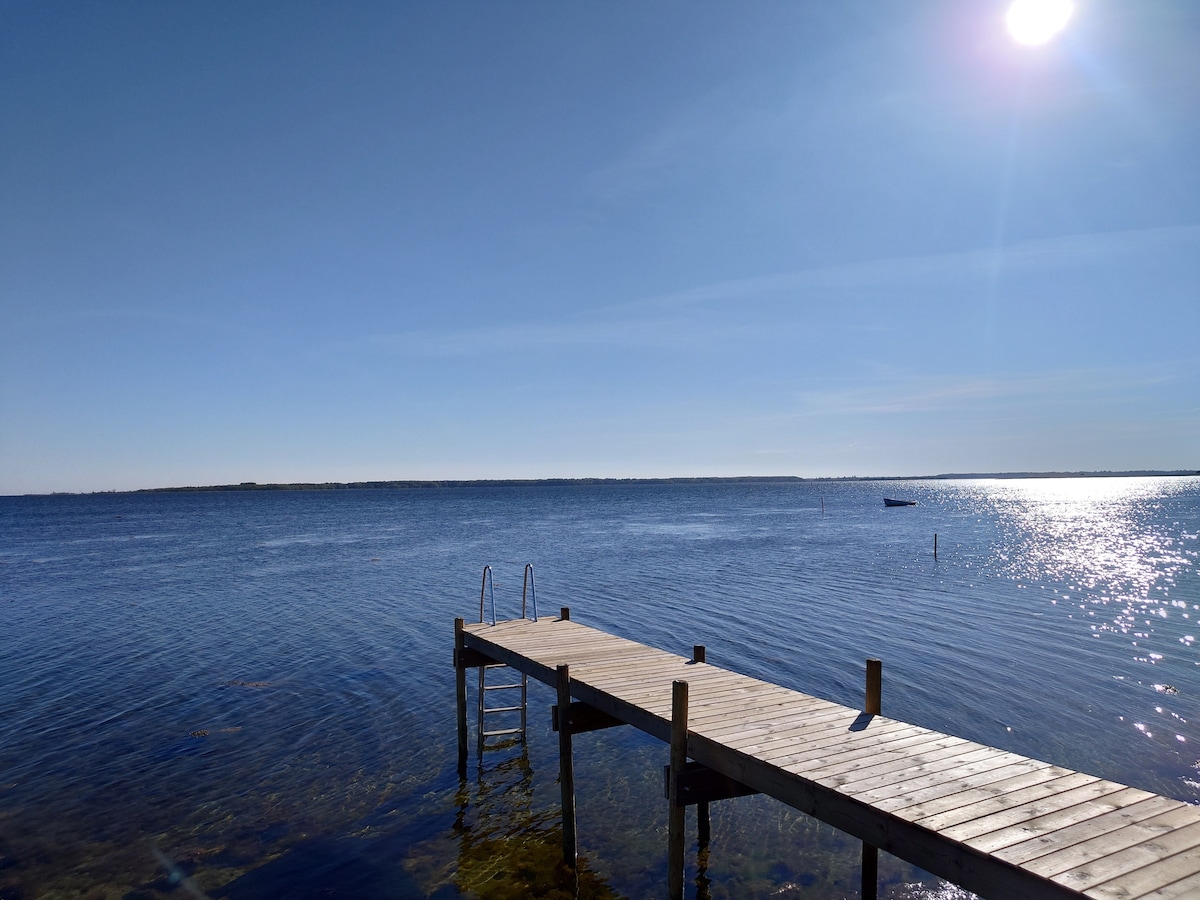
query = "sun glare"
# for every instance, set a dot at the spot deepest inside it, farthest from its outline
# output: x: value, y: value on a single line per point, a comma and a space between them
x: 1037, y: 21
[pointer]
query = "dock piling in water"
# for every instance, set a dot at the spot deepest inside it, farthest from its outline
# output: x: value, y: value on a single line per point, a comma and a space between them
x: 675, y: 815
x: 703, y: 821
x: 460, y: 689
x: 566, y: 768
x: 872, y: 707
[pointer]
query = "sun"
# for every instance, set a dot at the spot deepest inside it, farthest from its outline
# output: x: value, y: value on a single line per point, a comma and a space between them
x: 1037, y: 21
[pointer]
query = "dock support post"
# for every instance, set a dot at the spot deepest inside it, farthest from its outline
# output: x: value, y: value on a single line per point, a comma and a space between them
x: 703, y: 820
x: 566, y: 769
x: 872, y: 706
x: 460, y: 688
x: 874, y: 692
x: 870, y: 872
x: 675, y: 816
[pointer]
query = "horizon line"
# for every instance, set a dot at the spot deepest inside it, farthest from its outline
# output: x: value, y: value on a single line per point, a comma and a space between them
x: 432, y: 483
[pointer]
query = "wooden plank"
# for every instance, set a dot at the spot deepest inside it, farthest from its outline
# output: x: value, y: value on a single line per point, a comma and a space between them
x: 964, y: 824
x: 654, y: 685
x: 1139, y: 869
x: 649, y: 669
x: 944, y: 768
x: 878, y: 759
x: 626, y: 663
x: 653, y: 678
x: 598, y: 653
x: 808, y: 717
x: 799, y: 741
x: 719, y: 717
x: 1058, y: 821
x: 839, y: 753
x: 554, y: 645
x: 995, y: 785
x: 633, y: 690
x: 715, y: 689
x: 839, y: 746
x: 518, y: 661
x: 1083, y: 852
x: 654, y: 675
x: 1153, y: 877
x: 563, y: 638
x: 626, y: 660
x: 755, y: 708
x: 1188, y: 886
x: 909, y: 799
x: 944, y: 758
x: 1070, y: 837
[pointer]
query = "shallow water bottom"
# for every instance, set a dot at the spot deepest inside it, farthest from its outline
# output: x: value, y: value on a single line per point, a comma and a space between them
x: 496, y: 835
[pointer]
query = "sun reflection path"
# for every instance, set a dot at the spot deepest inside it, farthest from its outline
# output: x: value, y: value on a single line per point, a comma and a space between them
x: 1120, y: 556
x: 1104, y: 540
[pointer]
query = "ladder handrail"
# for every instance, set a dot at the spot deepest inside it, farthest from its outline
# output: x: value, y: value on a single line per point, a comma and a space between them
x: 487, y: 587
x: 487, y: 591
x: 529, y: 586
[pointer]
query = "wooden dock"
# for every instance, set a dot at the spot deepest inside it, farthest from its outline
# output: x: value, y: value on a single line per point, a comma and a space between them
x: 996, y: 823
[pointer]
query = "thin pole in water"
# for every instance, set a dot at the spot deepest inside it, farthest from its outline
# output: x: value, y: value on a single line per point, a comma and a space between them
x: 935, y: 545
x: 822, y: 506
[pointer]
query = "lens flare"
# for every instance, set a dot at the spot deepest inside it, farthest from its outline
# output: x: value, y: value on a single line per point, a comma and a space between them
x: 1037, y: 21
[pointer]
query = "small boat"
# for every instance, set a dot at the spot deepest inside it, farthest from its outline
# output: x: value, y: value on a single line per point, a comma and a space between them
x: 887, y: 501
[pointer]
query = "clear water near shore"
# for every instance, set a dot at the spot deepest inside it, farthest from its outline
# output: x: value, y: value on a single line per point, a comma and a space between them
x: 250, y: 694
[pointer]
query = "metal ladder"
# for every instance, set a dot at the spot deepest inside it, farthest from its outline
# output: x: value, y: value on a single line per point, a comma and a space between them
x: 506, y: 711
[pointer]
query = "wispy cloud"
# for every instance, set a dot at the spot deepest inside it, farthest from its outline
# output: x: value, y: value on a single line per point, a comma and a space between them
x: 1057, y: 253
x: 686, y: 143
x: 601, y: 329
x: 902, y: 394
x: 698, y: 315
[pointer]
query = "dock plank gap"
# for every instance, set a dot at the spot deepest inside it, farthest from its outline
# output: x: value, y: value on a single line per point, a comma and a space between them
x: 996, y: 823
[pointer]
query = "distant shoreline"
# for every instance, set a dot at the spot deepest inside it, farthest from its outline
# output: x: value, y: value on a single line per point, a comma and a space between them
x: 570, y: 482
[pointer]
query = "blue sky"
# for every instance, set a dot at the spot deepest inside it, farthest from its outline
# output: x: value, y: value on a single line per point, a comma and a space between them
x: 332, y: 242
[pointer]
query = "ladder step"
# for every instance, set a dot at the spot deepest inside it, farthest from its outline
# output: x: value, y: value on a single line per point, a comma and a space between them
x: 484, y: 711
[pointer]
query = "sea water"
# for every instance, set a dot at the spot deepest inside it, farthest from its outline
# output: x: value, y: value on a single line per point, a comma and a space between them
x: 250, y: 694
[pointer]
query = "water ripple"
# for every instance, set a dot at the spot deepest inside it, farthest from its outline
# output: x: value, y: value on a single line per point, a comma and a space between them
x: 233, y: 675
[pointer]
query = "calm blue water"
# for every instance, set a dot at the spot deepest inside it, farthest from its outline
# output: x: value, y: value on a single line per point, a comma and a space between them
x: 250, y: 694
